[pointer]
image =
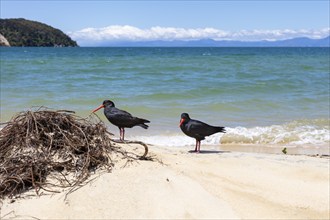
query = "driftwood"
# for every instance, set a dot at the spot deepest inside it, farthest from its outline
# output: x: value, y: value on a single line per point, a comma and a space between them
x: 44, y: 148
x: 146, y: 150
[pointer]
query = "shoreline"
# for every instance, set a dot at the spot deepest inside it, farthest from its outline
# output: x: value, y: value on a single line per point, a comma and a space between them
x: 277, y: 149
x: 310, y: 136
x: 216, y: 183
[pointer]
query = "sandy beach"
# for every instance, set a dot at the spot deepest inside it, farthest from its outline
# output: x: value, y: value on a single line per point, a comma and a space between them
x: 215, y: 184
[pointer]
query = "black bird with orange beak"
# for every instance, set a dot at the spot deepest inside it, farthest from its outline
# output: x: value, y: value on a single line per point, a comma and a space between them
x: 121, y: 118
x: 197, y: 129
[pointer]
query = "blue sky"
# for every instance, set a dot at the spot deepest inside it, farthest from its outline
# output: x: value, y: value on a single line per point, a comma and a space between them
x: 92, y: 22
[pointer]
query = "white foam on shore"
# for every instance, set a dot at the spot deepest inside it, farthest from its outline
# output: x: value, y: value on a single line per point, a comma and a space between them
x: 294, y: 133
x: 177, y: 140
x: 278, y: 134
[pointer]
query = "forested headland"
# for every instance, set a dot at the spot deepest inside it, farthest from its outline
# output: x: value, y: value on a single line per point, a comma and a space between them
x: 20, y: 32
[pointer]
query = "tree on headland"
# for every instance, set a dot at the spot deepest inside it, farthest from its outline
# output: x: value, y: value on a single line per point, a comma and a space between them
x: 25, y: 33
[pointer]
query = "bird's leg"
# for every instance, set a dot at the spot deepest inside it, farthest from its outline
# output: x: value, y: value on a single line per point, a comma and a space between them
x: 199, y: 147
x: 120, y: 134
x: 123, y: 134
x: 196, y: 146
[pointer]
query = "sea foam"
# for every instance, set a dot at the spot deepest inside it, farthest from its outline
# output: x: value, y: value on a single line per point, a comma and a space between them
x: 296, y: 133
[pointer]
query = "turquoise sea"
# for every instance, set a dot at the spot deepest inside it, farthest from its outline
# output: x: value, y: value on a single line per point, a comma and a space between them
x: 267, y: 96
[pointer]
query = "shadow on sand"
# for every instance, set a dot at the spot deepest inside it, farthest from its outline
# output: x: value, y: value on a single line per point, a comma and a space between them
x: 209, y: 152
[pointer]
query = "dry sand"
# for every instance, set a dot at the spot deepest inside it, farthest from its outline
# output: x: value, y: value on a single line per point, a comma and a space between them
x: 211, y: 185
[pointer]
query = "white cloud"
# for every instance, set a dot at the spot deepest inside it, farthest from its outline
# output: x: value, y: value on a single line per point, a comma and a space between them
x: 97, y: 36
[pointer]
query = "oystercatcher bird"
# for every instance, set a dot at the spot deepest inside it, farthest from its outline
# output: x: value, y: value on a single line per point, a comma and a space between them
x: 197, y: 129
x: 121, y: 118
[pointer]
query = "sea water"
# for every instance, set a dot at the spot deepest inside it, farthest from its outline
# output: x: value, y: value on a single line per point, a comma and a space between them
x: 261, y: 95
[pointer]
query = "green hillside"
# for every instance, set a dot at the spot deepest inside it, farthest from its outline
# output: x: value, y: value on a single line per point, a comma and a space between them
x: 25, y: 33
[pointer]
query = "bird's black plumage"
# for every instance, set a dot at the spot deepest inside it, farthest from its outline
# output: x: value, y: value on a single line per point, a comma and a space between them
x: 197, y: 129
x: 122, y: 119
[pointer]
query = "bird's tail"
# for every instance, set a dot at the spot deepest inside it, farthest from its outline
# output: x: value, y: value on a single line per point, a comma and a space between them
x: 221, y: 129
x: 142, y: 123
x: 143, y: 126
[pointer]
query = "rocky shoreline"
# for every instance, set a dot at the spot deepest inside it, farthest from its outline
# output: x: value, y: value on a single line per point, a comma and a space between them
x: 3, y: 41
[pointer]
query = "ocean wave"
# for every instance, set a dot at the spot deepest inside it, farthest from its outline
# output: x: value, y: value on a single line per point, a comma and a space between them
x: 296, y: 133
x: 277, y: 134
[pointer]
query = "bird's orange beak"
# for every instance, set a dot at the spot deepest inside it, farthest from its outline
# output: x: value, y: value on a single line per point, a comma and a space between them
x: 181, y: 122
x: 98, y: 108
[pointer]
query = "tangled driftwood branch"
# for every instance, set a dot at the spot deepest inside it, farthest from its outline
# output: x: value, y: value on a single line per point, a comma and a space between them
x: 146, y: 150
x: 37, y: 144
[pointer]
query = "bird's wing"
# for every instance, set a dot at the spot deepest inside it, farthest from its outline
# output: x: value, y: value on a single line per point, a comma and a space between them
x: 200, y: 128
x: 122, y: 118
x: 195, y: 126
x: 120, y: 113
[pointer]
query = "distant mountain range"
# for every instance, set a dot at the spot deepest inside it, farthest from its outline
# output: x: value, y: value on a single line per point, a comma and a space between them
x: 295, y: 42
x: 20, y: 32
